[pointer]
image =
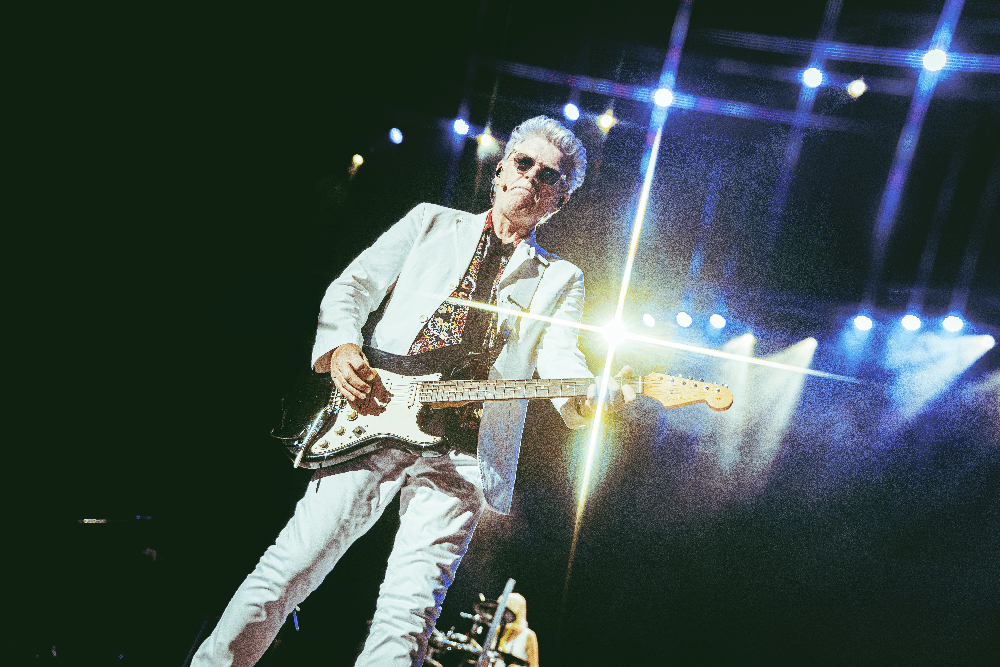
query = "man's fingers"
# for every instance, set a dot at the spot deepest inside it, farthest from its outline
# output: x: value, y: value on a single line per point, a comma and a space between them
x: 628, y: 393
x: 361, y: 368
x: 347, y: 389
x: 354, y: 380
x: 625, y: 372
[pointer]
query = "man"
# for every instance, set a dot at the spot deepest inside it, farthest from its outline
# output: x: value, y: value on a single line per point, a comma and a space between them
x: 431, y: 254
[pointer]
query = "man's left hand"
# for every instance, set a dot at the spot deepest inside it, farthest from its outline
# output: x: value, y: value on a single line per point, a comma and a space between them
x: 619, y: 395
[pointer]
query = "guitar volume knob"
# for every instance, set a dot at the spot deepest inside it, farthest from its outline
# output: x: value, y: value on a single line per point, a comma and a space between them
x: 352, y: 415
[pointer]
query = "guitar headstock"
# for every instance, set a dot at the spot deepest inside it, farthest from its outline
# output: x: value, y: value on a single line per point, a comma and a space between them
x: 676, y: 392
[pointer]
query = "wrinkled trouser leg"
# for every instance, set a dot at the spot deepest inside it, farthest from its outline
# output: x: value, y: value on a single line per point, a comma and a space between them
x: 340, y: 505
x: 440, y: 504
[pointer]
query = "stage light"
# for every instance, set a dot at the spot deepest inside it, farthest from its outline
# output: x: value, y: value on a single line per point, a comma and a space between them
x: 663, y: 97
x: 812, y: 77
x: 461, y: 127
x: 606, y: 120
x: 649, y: 320
x: 934, y: 60
x: 988, y: 342
x: 615, y: 332
x: 571, y: 111
x: 717, y: 321
x: 684, y: 319
x: 856, y: 88
x: 911, y: 322
x: 952, y: 323
x: 486, y: 139
x: 862, y: 323
x: 395, y: 136
x: 357, y: 160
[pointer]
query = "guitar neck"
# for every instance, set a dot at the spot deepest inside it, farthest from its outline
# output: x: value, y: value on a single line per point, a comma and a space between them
x: 463, y: 391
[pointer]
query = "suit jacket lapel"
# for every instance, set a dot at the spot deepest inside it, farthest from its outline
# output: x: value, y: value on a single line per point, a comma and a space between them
x: 468, y: 229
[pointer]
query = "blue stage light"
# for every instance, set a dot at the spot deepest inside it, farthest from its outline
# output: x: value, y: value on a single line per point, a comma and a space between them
x: 953, y: 323
x: 663, y: 97
x: 812, y: 77
x: 717, y: 321
x: 571, y: 111
x: 684, y: 319
x: 862, y: 323
x: 649, y: 320
x: 910, y: 322
x: 934, y: 60
x: 461, y: 127
x: 395, y: 136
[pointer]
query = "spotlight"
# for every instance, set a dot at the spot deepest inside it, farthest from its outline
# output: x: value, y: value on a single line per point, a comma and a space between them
x: 684, y: 319
x: 717, y: 321
x: 606, y: 120
x: 615, y: 332
x: 486, y: 139
x: 989, y: 342
x: 856, y: 88
x: 934, y: 60
x: 953, y: 323
x: 649, y: 320
x: 812, y: 77
x: 395, y: 136
x: 571, y: 111
x: 862, y: 323
x: 911, y: 322
x: 357, y: 160
x: 461, y: 127
x: 663, y: 97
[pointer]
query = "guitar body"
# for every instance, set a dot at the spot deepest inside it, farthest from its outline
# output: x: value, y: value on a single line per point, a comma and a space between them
x: 320, y: 429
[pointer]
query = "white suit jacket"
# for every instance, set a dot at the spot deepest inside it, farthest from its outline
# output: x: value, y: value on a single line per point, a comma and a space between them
x: 421, y: 259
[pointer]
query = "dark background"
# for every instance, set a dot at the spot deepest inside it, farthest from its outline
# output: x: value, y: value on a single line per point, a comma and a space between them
x: 182, y: 175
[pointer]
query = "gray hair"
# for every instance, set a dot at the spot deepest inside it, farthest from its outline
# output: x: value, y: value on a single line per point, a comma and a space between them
x: 559, y: 136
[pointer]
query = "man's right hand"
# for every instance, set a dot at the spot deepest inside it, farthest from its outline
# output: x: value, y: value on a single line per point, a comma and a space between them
x: 350, y: 371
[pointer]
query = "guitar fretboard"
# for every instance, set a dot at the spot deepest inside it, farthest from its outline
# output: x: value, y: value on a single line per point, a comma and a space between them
x: 455, y: 391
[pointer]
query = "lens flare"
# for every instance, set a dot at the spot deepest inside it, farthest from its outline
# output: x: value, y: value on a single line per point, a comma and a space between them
x: 862, y: 322
x: 357, y: 160
x: 649, y: 320
x: 717, y: 321
x: 910, y: 322
x: 395, y: 136
x: 606, y: 120
x: 461, y: 127
x: 571, y: 111
x: 684, y: 319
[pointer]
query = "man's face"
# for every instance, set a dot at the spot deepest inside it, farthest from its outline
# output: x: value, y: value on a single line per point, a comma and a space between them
x: 527, y: 199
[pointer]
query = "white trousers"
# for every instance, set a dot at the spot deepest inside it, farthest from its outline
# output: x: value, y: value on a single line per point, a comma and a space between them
x: 440, y: 503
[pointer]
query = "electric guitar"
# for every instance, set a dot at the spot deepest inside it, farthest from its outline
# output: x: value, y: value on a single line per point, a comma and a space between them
x: 320, y: 428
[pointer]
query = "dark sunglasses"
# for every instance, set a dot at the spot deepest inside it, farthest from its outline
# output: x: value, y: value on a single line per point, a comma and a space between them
x: 524, y: 163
